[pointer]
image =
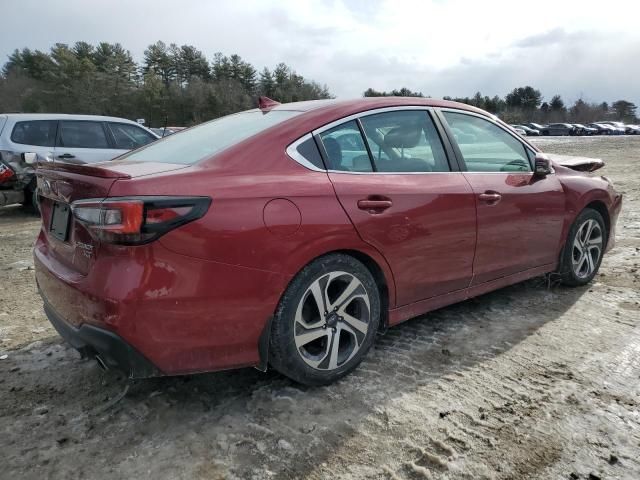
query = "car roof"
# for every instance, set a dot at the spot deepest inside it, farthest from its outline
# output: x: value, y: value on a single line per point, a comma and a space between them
x: 341, y: 107
x: 64, y: 116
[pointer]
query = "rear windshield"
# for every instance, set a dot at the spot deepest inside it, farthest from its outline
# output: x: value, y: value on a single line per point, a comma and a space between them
x: 205, y: 140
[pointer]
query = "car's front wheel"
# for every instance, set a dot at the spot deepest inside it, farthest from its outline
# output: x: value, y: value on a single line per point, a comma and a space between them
x: 326, y: 321
x: 582, y: 254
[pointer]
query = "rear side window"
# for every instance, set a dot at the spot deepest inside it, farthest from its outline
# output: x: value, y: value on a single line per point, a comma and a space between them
x: 485, y: 147
x: 82, y: 134
x: 309, y: 150
x: 41, y: 133
x: 405, y: 141
x: 128, y: 137
x: 345, y: 148
x: 205, y: 140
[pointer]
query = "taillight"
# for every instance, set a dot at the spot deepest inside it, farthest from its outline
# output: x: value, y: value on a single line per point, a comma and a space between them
x: 137, y: 220
x: 5, y: 172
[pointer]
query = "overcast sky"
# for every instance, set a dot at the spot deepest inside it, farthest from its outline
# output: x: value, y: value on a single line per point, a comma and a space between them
x: 575, y: 48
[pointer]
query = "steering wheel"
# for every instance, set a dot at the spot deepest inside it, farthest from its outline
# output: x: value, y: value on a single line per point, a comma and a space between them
x: 521, y: 164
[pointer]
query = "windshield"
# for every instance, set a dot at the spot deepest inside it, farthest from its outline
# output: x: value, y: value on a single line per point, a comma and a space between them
x: 205, y: 140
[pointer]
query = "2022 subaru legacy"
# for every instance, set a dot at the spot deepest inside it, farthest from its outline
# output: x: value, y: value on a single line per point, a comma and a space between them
x: 291, y: 234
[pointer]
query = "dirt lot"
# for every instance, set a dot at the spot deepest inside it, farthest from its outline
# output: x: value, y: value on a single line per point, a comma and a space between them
x: 526, y: 382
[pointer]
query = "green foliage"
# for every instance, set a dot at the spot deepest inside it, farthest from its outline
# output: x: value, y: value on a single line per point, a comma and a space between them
x: 176, y: 84
x: 403, y: 92
x: 524, y: 104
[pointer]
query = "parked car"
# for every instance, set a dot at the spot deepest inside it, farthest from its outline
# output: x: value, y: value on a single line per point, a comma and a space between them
x: 584, y: 130
x: 534, y: 126
x: 558, y: 129
x: 633, y: 129
x: 528, y: 130
x: 291, y: 235
x: 602, y: 129
x: 616, y: 129
x: 59, y: 138
x: 519, y: 130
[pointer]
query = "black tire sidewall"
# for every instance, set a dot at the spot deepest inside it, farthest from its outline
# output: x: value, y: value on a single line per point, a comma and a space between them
x: 569, y: 277
x: 283, y: 354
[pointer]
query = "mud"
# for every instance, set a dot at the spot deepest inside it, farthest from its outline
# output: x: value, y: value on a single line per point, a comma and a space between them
x: 532, y: 381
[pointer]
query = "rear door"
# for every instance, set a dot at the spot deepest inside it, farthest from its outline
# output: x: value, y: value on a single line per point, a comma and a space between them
x: 520, y: 216
x: 83, y: 141
x: 37, y: 136
x: 393, y: 178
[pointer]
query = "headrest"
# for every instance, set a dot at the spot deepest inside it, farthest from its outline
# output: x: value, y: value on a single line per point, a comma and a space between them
x: 333, y: 149
x: 406, y: 136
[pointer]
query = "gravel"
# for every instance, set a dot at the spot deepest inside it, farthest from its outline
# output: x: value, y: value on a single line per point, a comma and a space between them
x: 531, y: 381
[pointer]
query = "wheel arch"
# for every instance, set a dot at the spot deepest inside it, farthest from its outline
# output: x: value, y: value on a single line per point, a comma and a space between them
x: 381, y: 274
x: 600, y: 207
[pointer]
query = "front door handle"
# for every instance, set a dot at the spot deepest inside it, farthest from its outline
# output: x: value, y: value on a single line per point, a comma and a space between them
x: 374, y: 205
x: 66, y: 155
x: 490, y: 197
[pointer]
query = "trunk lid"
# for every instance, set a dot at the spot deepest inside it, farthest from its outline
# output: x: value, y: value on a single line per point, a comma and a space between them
x: 61, y: 184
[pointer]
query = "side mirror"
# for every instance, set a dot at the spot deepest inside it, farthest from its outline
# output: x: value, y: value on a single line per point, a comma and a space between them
x: 542, y: 166
x: 29, y: 157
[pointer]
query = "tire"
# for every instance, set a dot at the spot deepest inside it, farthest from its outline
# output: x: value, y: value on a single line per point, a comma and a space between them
x: 303, y: 338
x: 31, y: 198
x: 583, y: 251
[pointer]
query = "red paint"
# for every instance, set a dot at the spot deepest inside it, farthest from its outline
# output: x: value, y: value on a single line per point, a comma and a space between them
x: 199, y: 297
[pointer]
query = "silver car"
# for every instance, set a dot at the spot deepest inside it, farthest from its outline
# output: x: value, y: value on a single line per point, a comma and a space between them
x: 27, y: 138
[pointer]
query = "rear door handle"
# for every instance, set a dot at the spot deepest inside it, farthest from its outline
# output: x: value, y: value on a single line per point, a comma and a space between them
x: 490, y: 197
x: 374, y: 206
x: 66, y: 155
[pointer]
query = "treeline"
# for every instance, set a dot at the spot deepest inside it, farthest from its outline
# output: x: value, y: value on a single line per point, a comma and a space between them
x: 526, y: 104
x: 176, y: 84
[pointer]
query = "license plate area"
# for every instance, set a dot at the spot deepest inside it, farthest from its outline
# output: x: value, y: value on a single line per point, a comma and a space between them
x: 59, y: 227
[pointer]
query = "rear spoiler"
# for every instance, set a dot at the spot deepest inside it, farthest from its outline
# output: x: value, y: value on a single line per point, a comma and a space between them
x: 81, y: 169
x: 581, y: 164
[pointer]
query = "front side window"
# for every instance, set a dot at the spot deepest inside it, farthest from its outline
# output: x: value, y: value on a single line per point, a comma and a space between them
x: 41, y: 133
x: 204, y: 141
x: 128, y: 137
x: 345, y: 148
x: 485, y: 147
x: 404, y: 141
x: 82, y: 134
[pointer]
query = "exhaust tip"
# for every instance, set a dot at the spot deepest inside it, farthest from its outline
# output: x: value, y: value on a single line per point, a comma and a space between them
x: 101, y: 363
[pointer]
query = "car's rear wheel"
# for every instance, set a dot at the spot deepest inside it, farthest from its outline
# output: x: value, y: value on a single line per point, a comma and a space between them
x: 582, y: 254
x: 326, y: 321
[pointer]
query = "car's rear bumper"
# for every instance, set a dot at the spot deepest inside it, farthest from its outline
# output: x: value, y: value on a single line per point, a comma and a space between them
x: 109, y: 349
x: 183, y: 314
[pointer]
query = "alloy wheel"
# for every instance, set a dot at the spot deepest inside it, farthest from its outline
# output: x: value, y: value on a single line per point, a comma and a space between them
x: 587, y: 248
x: 332, y: 320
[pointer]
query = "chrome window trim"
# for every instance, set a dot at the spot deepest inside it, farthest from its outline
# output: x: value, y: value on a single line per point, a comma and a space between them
x: 492, y: 119
x: 292, y: 151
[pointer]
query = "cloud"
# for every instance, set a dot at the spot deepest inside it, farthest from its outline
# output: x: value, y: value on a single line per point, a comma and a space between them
x: 440, y: 47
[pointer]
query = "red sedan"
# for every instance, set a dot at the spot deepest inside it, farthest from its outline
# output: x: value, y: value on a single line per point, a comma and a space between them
x: 291, y: 234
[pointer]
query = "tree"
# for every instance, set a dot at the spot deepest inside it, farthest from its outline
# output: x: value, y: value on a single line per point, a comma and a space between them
x: 403, y: 92
x: 625, y: 111
x: 526, y: 98
x: 174, y: 83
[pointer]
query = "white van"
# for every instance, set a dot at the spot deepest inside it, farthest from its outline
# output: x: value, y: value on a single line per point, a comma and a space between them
x: 59, y: 138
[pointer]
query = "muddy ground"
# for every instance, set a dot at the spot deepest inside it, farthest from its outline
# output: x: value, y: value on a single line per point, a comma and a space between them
x: 526, y: 382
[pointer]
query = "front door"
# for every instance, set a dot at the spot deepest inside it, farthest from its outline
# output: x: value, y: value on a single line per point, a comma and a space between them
x: 520, y: 216
x: 396, y: 185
